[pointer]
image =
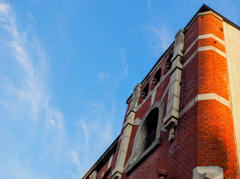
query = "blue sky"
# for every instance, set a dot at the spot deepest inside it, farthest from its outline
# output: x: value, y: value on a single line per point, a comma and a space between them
x: 66, y: 70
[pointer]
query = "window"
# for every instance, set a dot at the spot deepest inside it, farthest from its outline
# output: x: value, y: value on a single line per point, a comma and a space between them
x: 145, y: 91
x: 169, y: 63
x: 157, y: 77
x: 151, y: 126
x: 147, y: 138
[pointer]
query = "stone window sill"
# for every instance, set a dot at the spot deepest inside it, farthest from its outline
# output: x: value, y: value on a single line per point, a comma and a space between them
x: 143, y: 156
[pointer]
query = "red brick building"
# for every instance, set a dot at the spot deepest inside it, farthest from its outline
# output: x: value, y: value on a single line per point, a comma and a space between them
x: 184, y: 117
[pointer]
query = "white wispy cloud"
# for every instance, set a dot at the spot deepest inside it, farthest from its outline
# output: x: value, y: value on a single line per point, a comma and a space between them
x: 4, y: 8
x: 96, y: 124
x: 76, y: 160
x: 31, y: 16
x: 101, y: 123
x: 160, y: 37
x: 19, y: 169
x: 25, y: 96
x: 102, y: 77
x: 126, y: 71
x: 32, y: 86
x: 85, y: 129
x: 149, y: 3
x: 124, y: 74
x: 123, y: 54
x: 12, y: 165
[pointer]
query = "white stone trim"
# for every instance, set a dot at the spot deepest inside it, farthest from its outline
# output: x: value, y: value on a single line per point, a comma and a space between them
x: 137, y: 122
x: 206, y: 36
x: 165, y: 92
x: 93, y: 175
x: 210, y: 12
x: 202, y: 97
x: 212, y: 172
x: 134, y: 98
x: 200, y: 14
x: 153, y: 96
x: 206, y: 48
x: 170, y: 120
x: 129, y: 120
x: 119, y: 166
x: 139, y: 152
x: 110, y: 161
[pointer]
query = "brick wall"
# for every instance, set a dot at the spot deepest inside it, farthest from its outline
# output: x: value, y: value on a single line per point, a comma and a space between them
x: 215, y: 145
x: 205, y: 134
x: 178, y: 157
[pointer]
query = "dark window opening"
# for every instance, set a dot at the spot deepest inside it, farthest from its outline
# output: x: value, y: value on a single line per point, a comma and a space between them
x: 170, y: 56
x: 106, y: 175
x: 157, y: 77
x: 168, y: 63
x: 145, y: 91
x: 151, y: 122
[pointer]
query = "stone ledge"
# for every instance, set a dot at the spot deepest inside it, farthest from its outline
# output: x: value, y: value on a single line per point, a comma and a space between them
x: 130, y: 119
x: 203, y: 97
x: 116, y: 175
x: 143, y: 156
x: 173, y: 114
x: 176, y: 64
x: 201, y: 49
x: 205, y: 36
x: 171, y: 123
x: 212, y: 172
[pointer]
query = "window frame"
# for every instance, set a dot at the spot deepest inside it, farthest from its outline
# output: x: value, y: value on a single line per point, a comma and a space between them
x: 139, y: 153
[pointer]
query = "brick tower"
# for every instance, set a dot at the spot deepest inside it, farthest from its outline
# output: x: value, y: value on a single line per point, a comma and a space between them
x: 183, y: 119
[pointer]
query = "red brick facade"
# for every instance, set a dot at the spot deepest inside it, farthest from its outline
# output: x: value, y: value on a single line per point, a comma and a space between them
x: 205, y: 134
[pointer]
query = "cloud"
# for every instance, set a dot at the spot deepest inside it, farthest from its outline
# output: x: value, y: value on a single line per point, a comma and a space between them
x: 31, y: 121
x: 11, y: 164
x: 32, y: 68
x: 160, y: 36
x: 96, y: 132
x: 84, y: 127
x: 4, y: 8
x: 19, y: 169
x: 76, y: 160
x: 31, y: 16
x: 123, y: 54
x: 149, y: 3
x: 102, y: 77
x: 124, y: 74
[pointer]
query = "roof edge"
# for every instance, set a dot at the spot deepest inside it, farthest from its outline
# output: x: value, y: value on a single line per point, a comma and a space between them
x: 109, y: 149
x: 203, y: 8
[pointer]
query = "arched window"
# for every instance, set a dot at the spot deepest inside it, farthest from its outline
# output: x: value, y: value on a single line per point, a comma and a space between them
x: 151, y: 126
x: 147, y: 138
x: 144, y: 93
x: 157, y: 77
